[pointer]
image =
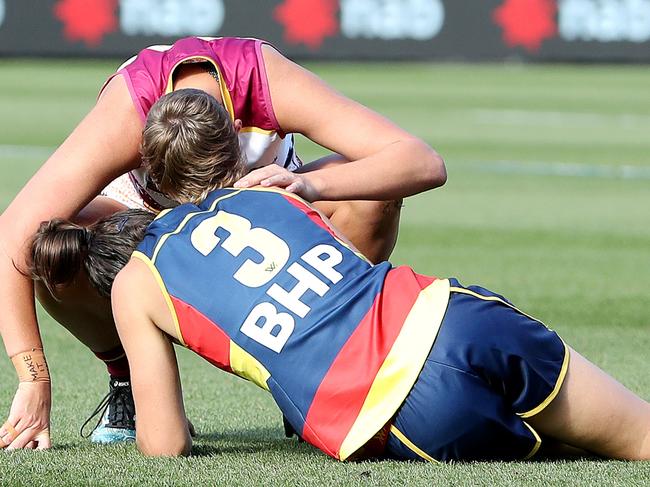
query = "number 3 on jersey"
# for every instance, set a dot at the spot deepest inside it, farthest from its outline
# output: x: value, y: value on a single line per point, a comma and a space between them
x: 274, y: 251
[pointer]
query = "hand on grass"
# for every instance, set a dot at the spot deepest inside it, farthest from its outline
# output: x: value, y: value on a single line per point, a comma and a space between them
x: 28, y: 424
x: 274, y: 175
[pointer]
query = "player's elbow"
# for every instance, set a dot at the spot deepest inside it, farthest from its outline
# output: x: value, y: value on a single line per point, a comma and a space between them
x: 162, y: 439
x: 179, y: 447
x: 431, y: 170
x: 435, y: 171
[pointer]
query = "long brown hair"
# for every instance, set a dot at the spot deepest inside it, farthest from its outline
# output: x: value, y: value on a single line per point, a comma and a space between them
x: 61, y: 249
x: 190, y: 146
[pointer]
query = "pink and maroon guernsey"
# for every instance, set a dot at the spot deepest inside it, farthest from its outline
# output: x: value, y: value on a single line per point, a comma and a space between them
x: 282, y: 302
x: 244, y: 89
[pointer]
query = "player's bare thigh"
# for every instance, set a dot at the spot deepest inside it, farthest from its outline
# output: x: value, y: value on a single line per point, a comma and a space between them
x: 98, y: 208
x: 596, y: 413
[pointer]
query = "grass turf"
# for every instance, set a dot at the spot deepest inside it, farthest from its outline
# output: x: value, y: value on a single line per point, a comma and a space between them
x: 537, y: 207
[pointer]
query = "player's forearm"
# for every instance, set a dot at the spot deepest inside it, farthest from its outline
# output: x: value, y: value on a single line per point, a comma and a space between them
x: 402, y: 169
x: 162, y: 427
x: 18, y: 324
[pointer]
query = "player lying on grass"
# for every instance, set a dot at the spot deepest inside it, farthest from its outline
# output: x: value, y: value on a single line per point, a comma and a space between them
x: 268, y: 98
x: 363, y: 360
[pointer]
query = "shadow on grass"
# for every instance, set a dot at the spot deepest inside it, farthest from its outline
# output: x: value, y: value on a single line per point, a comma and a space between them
x: 267, y: 439
x: 247, y: 441
x: 66, y: 447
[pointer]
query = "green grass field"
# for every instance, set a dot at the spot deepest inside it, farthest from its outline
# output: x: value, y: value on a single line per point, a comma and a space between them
x: 548, y: 202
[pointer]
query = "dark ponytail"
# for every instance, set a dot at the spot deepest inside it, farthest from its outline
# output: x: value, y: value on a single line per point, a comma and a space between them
x: 58, y: 252
x: 61, y: 249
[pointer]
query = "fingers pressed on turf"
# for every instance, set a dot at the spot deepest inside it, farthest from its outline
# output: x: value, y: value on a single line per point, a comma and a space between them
x: 7, y: 434
x: 22, y: 439
x: 23, y: 435
x: 9, y: 428
x: 44, y: 441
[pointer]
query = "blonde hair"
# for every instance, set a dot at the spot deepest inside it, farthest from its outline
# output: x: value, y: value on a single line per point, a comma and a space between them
x: 190, y: 146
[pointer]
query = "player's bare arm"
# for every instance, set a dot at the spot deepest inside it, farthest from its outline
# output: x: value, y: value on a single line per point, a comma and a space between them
x: 386, y: 162
x: 162, y: 425
x: 103, y: 146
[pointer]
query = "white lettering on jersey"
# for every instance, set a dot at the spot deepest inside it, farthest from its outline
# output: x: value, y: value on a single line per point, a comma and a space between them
x: 291, y: 299
x: 264, y: 323
x: 274, y: 251
x: 271, y: 321
x: 313, y: 257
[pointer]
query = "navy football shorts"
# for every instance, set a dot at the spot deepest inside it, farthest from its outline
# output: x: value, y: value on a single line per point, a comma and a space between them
x: 491, y: 367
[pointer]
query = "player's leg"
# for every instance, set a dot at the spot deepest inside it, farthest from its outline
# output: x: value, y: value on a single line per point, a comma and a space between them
x: 595, y: 412
x: 549, y: 386
x: 372, y: 226
x: 87, y: 315
x: 98, y: 208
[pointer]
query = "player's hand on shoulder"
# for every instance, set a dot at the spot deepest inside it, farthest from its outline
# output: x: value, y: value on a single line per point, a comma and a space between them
x: 28, y: 424
x: 274, y: 175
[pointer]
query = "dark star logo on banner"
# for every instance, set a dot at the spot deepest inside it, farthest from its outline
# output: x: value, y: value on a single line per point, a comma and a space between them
x: 308, y: 22
x: 526, y: 23
x: 87, y: 21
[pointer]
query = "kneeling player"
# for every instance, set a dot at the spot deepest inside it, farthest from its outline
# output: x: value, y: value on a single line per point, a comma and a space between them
x: 363, y: 360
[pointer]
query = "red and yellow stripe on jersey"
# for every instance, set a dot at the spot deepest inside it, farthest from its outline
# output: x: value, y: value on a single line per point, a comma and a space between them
x: 261, y: 287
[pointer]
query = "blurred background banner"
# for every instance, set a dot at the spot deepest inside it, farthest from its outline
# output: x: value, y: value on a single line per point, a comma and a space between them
x: 544, y: 30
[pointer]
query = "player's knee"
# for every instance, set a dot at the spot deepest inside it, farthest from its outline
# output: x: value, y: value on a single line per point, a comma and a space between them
x: 372, y: 226
x: 377, y: 215
x: 637, y: 440
x: 97, y: 209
